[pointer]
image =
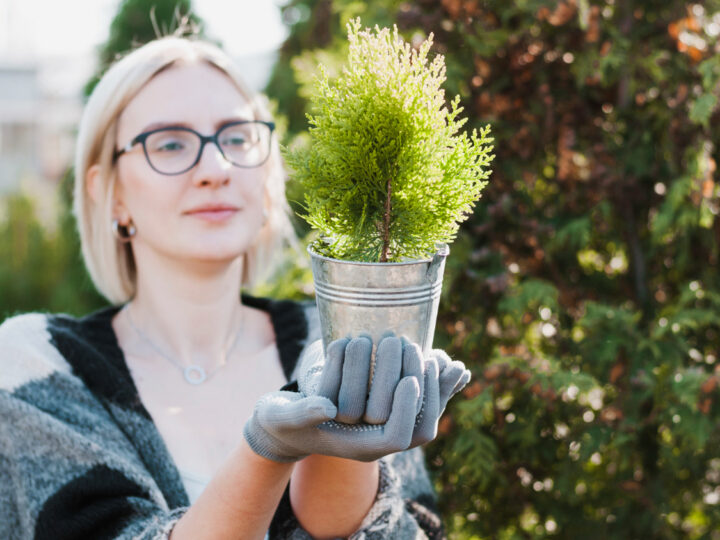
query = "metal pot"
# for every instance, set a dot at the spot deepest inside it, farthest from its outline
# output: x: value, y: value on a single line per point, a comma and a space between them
x: 356, y: 298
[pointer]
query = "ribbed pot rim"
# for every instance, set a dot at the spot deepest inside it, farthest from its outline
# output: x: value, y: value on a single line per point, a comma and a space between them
x: 442, y: 249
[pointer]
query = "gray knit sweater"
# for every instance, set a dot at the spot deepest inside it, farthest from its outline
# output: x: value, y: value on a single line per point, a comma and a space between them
x: 80, y: 457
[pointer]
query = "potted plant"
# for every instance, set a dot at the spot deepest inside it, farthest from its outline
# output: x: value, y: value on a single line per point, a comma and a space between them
x: 387, y: 177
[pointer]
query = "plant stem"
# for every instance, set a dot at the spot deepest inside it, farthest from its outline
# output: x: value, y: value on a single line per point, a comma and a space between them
x: 386, y: 226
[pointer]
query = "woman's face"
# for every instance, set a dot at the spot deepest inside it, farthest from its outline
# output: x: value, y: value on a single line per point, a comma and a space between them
x: 213, y: 211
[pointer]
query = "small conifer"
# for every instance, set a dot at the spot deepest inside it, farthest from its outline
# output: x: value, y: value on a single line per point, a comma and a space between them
x: 387, y: 173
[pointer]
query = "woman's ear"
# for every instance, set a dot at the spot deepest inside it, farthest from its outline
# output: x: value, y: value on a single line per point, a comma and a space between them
x: 92, y: 183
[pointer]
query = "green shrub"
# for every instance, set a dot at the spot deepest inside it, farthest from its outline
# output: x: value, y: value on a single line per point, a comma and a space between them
x: 387, y: 173
x: 584, y: 292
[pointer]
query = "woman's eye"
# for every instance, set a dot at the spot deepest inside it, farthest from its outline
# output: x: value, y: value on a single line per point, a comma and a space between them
x: 169, y: 146
x: 234, y: 140
x: 169, y: 141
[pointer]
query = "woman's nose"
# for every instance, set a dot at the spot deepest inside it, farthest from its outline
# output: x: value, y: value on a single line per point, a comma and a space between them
x: 212, y: 168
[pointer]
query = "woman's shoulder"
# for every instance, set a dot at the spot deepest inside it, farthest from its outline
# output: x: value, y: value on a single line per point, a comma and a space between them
x: 27, y: 351
x: 35, y: 345
x: 24, y: 324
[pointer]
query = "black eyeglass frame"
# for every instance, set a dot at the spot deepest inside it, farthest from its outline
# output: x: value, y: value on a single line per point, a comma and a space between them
x: 204, y: 139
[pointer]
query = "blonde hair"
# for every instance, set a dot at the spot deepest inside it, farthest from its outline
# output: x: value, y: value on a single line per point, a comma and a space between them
x: 110, y: 262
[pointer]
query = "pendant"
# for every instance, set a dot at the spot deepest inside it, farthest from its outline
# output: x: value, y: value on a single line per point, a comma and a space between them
x: 195, y: 374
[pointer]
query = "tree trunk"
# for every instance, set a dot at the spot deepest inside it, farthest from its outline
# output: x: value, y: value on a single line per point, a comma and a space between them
x: 386, y: 225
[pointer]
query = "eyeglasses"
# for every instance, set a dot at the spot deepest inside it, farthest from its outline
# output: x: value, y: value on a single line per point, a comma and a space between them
x: 175, y: 150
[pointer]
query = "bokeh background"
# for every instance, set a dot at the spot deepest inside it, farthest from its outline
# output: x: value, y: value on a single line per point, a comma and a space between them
x: 584, y: 292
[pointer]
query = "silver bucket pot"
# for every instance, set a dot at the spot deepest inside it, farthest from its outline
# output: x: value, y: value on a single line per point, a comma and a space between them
x: 356, y: 298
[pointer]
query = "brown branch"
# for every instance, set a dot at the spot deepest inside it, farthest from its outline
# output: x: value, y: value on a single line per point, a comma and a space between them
x: 639, y: 268
x: 386, y: 225
x: 626, y: 25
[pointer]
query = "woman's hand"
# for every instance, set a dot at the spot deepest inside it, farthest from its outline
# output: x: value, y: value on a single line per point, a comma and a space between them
x: 344, y: 377
x: 340, y: 411
x: 443, y: 379
x: 287, y: 426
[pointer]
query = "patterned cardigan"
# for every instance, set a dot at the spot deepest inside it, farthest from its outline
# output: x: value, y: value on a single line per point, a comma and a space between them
x: 80, y: 457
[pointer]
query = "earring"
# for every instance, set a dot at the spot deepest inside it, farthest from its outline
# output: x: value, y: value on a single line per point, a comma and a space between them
x: 265, y: 215
x: 123, y: 232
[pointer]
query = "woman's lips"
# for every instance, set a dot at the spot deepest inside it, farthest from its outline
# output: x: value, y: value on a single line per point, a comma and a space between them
x: 214, y: 215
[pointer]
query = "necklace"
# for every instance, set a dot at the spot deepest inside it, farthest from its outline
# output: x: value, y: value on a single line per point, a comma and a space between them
x: 194, y: 374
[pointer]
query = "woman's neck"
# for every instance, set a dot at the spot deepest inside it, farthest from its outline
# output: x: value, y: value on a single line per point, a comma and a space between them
x: 190, y: 310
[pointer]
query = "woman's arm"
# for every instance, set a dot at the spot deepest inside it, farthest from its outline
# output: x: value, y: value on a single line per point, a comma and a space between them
x: 331, y: 496
x: 404, y: 505
x: 92, y: 483
x: 240, y: 500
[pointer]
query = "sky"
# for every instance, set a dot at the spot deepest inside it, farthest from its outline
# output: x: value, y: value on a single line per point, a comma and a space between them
x: 70, y: 27
x: 63, y: 35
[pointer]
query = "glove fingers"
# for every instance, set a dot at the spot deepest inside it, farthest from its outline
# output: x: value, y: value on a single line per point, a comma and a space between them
x: 426, y: 424
x: 311, y: 365
x: 281, y: 410
x: 399, y: 428
x: 354, y: 386
x: 413, y: 366
x: 431, y: 407
x: 464, y: 379
x: 450, y: 377
x: 452, y: 380
x: 442, y: 359
x: 332, y: 372
x: 388, y: 367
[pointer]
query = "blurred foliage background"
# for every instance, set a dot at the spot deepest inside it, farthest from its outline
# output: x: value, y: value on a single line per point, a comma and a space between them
x: 584, y: 293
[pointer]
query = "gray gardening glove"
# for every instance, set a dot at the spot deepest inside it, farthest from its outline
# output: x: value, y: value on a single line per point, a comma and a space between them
x: 287, y: 426
x: 349, y: 360
x: 443, y: 379
x: 343, y: 376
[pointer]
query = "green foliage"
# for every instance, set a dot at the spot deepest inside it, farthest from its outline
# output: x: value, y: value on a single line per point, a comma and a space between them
x: 387, y: 173
x: 140, y: 21
x: 292, y: 277
x: 41, y: 269
x: 584, y: 291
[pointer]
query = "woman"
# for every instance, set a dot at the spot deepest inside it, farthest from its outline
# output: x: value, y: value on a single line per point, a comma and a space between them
x: 162, y: 417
